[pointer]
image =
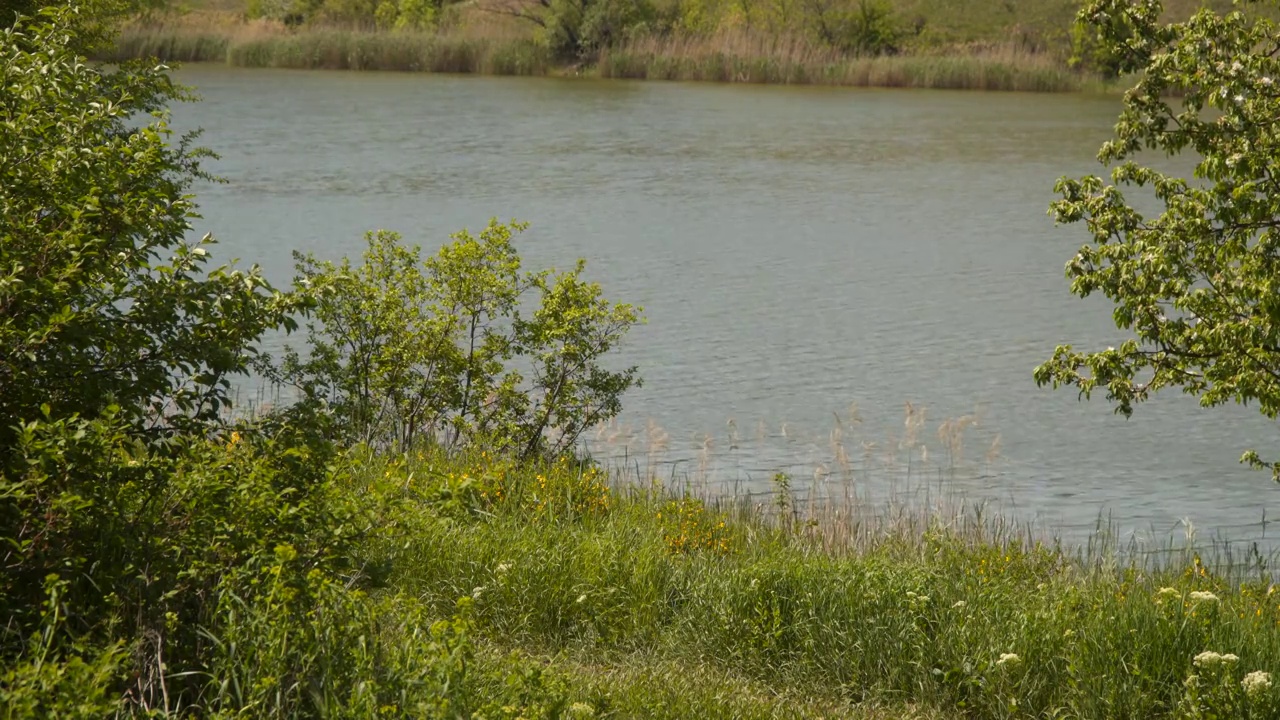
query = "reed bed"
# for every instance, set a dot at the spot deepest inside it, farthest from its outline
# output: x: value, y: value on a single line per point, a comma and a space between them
x: 495, y: 49
x: 744, y: 58
x: 265, y: 46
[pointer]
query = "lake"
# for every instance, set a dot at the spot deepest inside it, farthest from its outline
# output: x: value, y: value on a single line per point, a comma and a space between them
x: 796, y: 251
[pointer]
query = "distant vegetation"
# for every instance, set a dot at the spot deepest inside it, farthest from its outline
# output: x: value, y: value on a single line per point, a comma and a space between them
x: 1025, y: 45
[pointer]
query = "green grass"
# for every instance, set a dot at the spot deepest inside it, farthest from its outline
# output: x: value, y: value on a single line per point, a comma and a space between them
x: 913, y: 612
x: 647, y: 685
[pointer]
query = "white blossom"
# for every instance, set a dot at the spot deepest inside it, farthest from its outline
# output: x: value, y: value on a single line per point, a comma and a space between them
x: 1199, y: 596
x: 1009, y: 660
x: 1208, y: 659
x: 1256, y: 683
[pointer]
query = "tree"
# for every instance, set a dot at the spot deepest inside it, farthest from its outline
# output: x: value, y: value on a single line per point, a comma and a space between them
x: 124, y: 503
x: 581, y: 28
x: 103, y: 301
x: 95, y: 20
x: 1197, y: 285
x: 454, y: 350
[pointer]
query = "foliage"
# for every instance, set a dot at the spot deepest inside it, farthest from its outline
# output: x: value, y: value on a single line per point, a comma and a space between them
x: 1196, y: 284
x: 866, y: 28
x: 49, y: 680
x: 102, y: 301
x: 304, y: 646
x: 405, y: 349
x: 384, y: 14
x: 1091, y: 51
x: 93, y: 22
x: 688, y: 527
x: 580, y: 29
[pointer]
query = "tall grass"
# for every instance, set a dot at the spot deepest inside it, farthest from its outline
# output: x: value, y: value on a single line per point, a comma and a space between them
x: 259, y: 45
x: 936, y: 609
x: 355, y: 50
x: 746, y: 58
x: 497, y: 50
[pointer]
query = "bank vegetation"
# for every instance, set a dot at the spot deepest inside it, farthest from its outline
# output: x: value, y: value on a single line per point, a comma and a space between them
x: 1036, y: 46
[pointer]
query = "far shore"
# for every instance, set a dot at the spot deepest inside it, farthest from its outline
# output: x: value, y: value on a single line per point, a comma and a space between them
x: 728, y: 58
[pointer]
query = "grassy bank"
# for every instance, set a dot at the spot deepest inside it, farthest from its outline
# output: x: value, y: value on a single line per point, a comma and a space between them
x: 643, y: 601
x: 725, y: 57
x: 744, y: 58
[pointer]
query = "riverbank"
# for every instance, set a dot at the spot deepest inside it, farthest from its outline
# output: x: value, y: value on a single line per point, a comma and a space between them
x: 634, y: 600
x: 725, y: 57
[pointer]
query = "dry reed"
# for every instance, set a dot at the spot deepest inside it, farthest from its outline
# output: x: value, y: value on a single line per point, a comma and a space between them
x: 747, y: 58
x: 214, y: 38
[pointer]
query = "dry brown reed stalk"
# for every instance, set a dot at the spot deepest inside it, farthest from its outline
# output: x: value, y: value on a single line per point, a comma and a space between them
x: 487, y: 48
x: 743, y: 57
x: 839, y: 497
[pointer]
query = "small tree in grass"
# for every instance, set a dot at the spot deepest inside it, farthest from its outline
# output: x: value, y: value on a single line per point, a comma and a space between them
x: 461, y: 347
x: 1197, y: 285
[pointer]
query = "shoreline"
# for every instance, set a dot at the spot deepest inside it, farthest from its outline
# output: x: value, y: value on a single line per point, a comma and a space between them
x: 721, y: 59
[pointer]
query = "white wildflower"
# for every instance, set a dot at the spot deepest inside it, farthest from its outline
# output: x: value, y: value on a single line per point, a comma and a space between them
x: 582, y: 598
x: 1202, y: 596
x: 1009, y: 659
x: 1256, y: 683
x: 1167, y: 592
x: 477, y: 592
x: 503, y: 568
x: 1264, y: 80
x: 1236, y: 67
x: 1208, y: 659
x: 1230, y: 659
x: 959, y: 605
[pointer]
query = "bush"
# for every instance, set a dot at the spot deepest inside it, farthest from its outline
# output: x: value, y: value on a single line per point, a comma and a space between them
x: 867, y: 28
x: 404, y: 350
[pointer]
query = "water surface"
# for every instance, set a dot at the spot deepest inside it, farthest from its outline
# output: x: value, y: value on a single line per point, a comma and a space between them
x: 795, y: 250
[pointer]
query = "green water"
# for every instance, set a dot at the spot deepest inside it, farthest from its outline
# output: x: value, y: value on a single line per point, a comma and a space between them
x: 795, y: 249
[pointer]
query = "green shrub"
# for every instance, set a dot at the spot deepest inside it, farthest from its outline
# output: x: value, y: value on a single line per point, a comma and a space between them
x: 404, y: 349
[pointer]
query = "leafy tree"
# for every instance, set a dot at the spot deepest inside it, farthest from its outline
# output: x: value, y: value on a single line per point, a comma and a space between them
x: 581, y: 28
x: 121, y: 508
x: 865, y: 28
x: 1197, y: 285
x: 103, y: 302
x: 397, y: 14
x: 405, y: 349
x: 94, y: 20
